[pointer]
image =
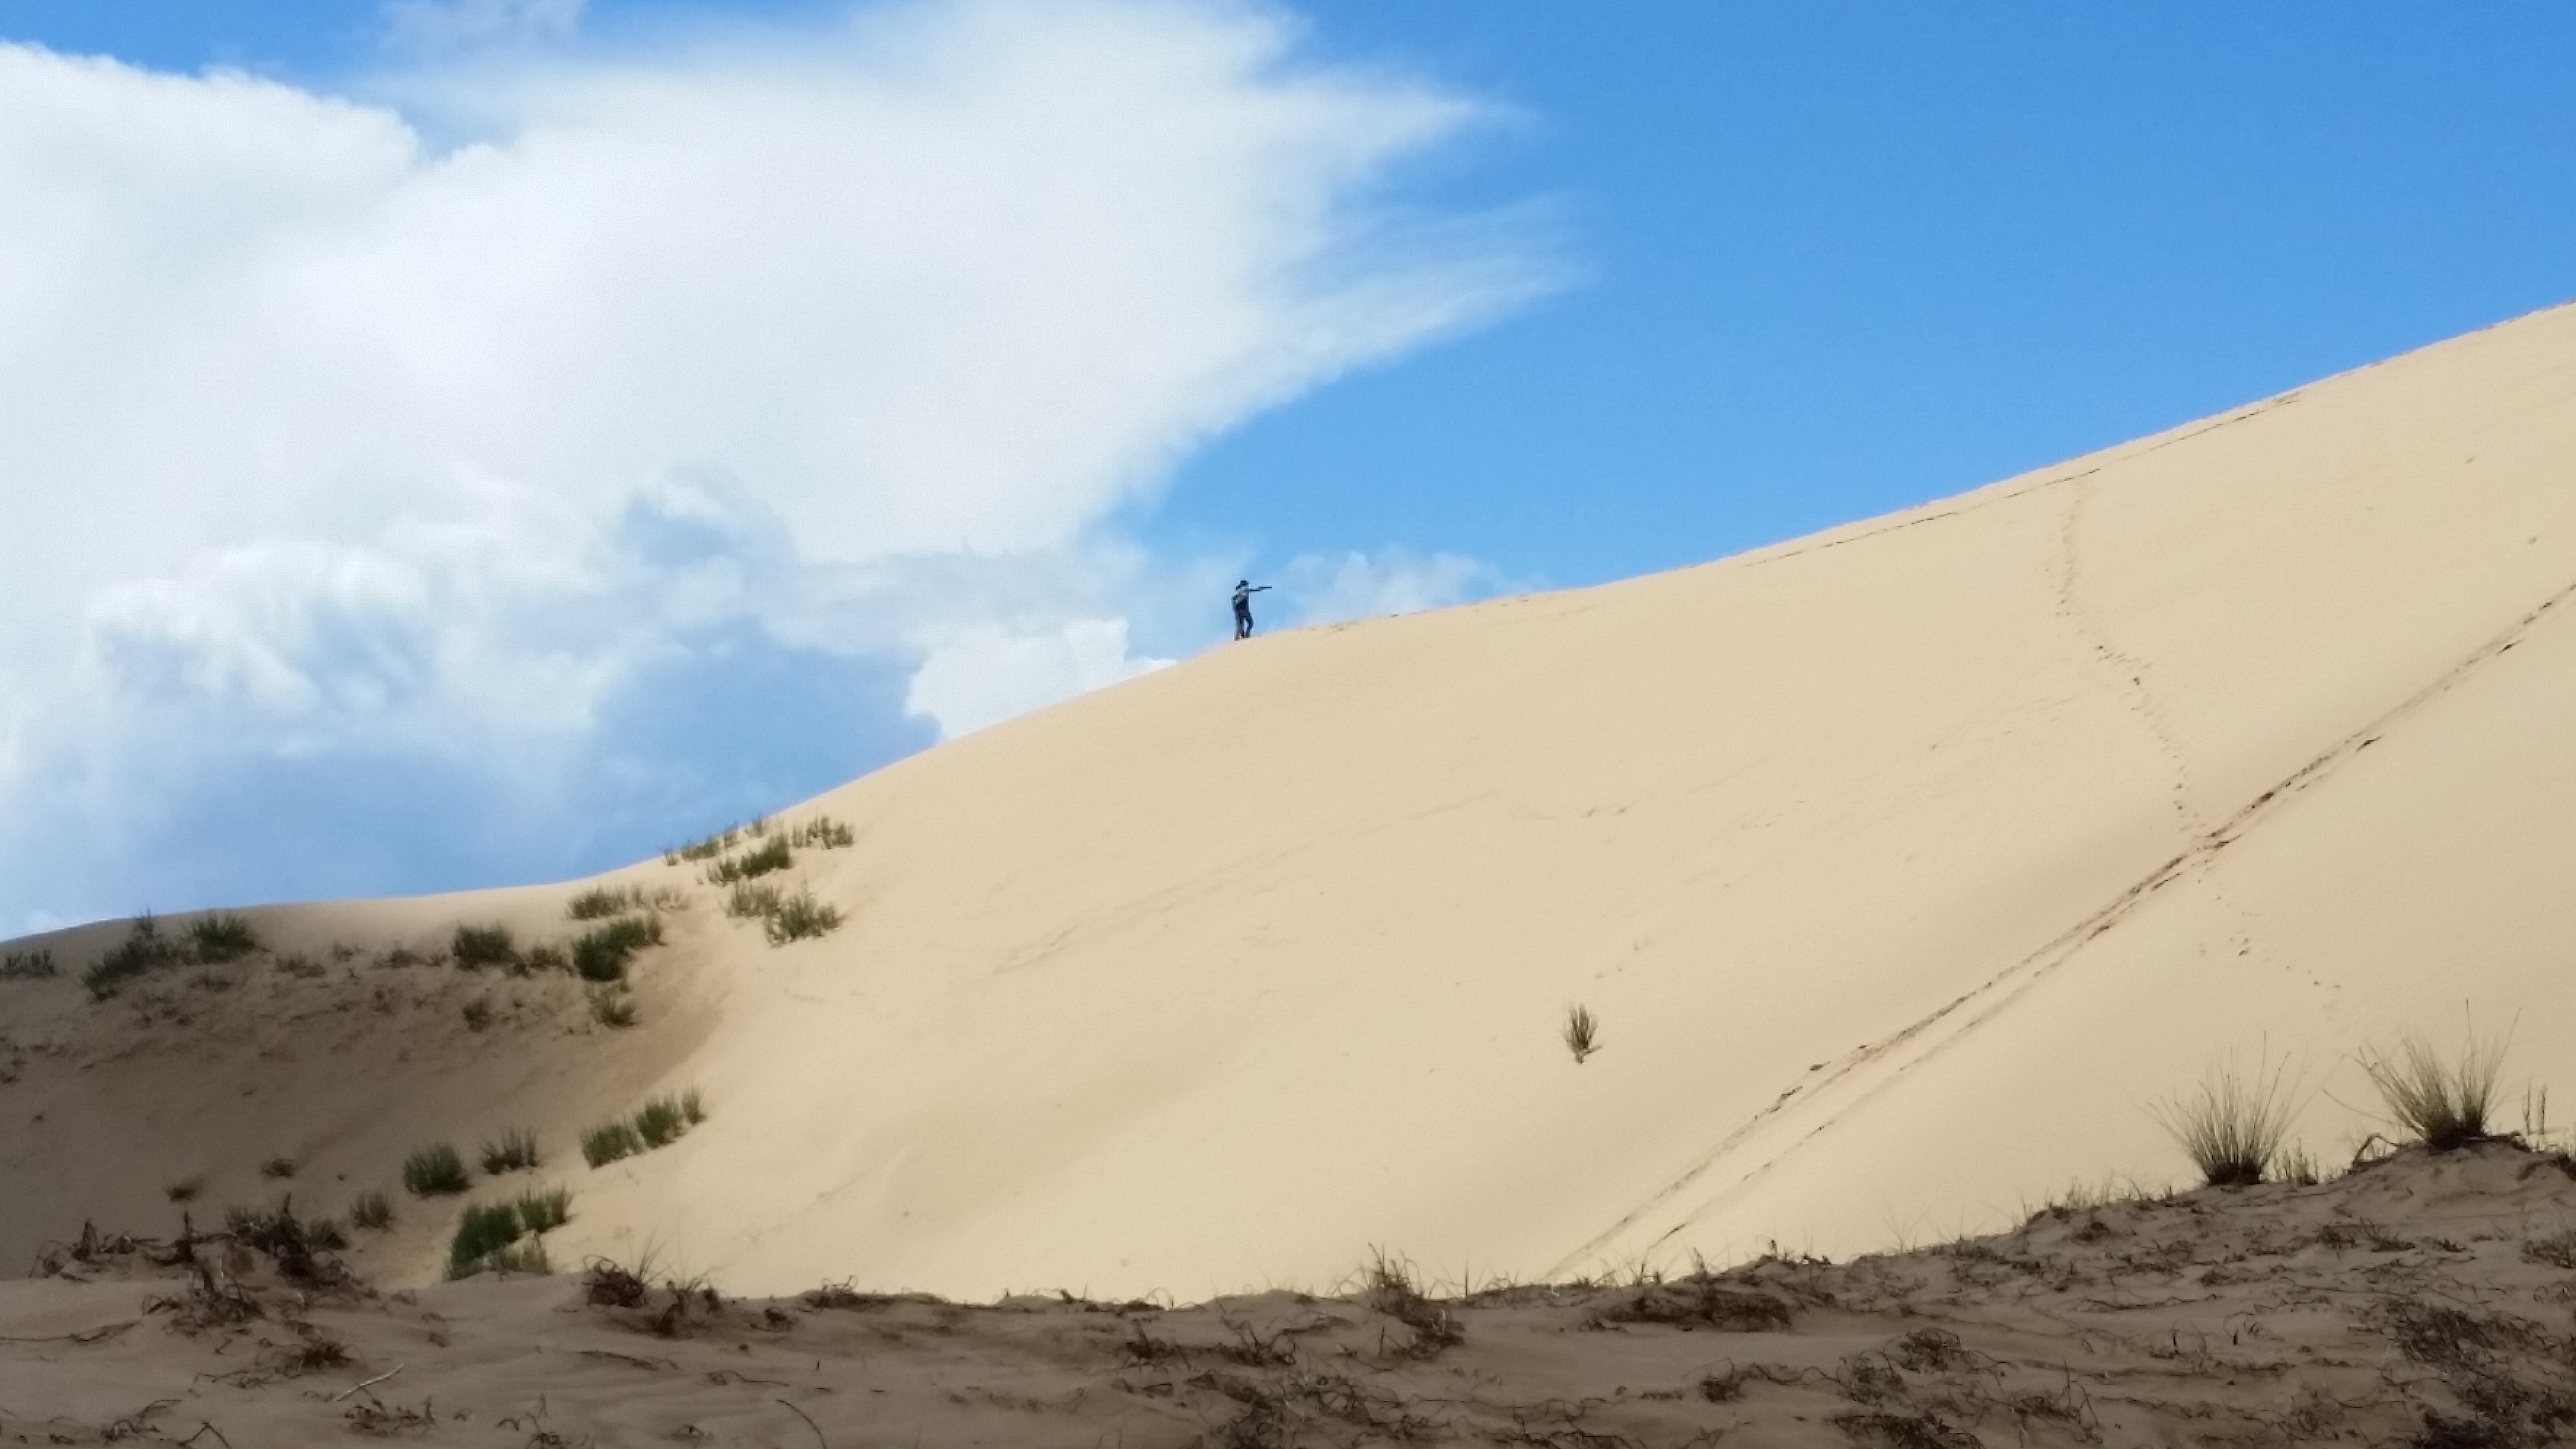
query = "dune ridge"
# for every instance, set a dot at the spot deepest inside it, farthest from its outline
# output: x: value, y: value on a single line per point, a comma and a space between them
x: 1904, y: 865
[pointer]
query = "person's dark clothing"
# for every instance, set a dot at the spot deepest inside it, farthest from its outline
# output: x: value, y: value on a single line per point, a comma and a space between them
x: 1243, y: 593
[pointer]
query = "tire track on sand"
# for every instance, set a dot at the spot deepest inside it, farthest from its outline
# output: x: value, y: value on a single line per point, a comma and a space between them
x: 1926, y: 1037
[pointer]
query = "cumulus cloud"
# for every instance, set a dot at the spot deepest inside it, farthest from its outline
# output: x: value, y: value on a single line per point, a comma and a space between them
x: 1332, y: 588
x: 432, y: 420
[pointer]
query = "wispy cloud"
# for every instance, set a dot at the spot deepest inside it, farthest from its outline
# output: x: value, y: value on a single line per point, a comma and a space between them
x: 449, y: 25
x: 836, y: 350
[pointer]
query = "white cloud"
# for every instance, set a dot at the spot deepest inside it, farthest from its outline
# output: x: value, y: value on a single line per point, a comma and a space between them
x: 985, y: 674
x: 317, y: 434
x: 1328, y: 589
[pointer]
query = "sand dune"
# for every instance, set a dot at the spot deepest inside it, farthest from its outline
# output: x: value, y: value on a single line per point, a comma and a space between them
x: 1904, y: 866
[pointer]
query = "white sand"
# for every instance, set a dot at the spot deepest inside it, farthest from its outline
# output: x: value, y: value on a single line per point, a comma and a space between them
x: 1904, y: 865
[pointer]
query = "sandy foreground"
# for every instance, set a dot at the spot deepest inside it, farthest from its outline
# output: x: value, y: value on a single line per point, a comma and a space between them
x: 2421, y: 1300
x: 1904, y: 866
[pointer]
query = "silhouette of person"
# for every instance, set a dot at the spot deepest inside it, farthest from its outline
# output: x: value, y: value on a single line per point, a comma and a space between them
x: 1243, y: 592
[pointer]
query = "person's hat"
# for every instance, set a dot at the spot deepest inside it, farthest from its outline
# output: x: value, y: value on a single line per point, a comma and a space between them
x: 1243, y: 583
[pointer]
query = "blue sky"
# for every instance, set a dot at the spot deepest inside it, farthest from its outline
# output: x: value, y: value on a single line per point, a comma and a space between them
x: 1490, y: 294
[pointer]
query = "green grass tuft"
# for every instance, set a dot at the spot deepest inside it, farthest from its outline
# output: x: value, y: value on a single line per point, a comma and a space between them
x: 601, y: 954
x: 434, y: 1171
x: 222, y: 936
x: 600, y: 903
x: 801, y: 917
x: 475, y: 947
x: 144, y: 949
x: 516, y: 1151
x: 486, y: 1229
x: 748, y: 902
x: 822, y: 832
x: 26, y: 965
x: 772, y: 855
x: 372, y: 1211
x: 548, y: 957
x: 543, y: 1212
x: 693, y: 1106
x: 660, y: 1122
x: 608, y: 1142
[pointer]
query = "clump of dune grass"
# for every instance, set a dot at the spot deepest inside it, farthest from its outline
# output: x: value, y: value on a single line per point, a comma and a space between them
x: 185, y: 1189
x: 475, y: 947
x: 771, y: 855
x: 748, y: 901
x: 221, y: 936
x: 1582, y: 1032
x: 372, y: 1211
x: 613, y: 1006
x: 437, y: 1170
x: 477, y: 1013
x: 299, y: 965
x: 2234, y: 1127
x: 601, y: 902
x: 543, y: 1212
x: 601, y: 953
x: 660, y: 1122
x: 546, y: 957
x: 26, y: 965
x: 485, y: 1229
x: 514, y: 1151
x: 2443, y: 1104
x: 707, y: 849
x: 693, y: 1107
x: 144, y: 949
x: 608, y: 1142
x: 277, y: 1167
x: 800, y: 917
x: 820, y: 832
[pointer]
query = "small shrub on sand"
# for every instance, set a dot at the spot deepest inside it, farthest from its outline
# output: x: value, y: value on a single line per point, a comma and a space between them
x: 773, y: 855
x: 301, y: 966
x: 486, y: 1228
x: 222, y: 936
x: 477, y: 1013
x: 372, y: 1211
x: 660, y: 1122
x: 608, y: 1142
x: 601, y: 954
x: 613, y: 1006
x: 185, y: 1189
x: 277, y: 1167
x: 752, y: 902
x: 548, y: 957
x: 516, y: 1151
x: 1582, y: 1032
x: 800, y: 917
x: 26, y: 965
x: 2444, y: 1105
x: 600, y: 903
x: 475, y: 947
x: 434, y: 1171
x: 2234, y: 1127
x: 693, y: 1106
x: 707, y: 849
x: 543, y: 1212
x: 144, y: 949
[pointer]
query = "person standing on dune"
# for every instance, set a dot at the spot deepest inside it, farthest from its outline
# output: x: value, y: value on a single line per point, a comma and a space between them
x: 1243, y: 592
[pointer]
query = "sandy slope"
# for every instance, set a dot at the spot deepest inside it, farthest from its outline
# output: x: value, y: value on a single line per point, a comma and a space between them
x: 2421, y: 1301
x: 1903, y: 864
